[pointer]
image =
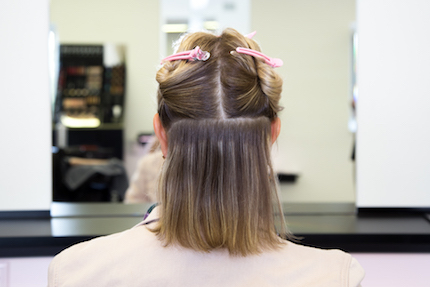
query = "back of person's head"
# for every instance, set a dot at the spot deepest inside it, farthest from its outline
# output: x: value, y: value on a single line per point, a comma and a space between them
x: 217, y: 188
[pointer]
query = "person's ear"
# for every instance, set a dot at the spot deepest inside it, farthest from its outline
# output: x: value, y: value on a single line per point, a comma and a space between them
x: 276, y: 128
x: 160, y: 133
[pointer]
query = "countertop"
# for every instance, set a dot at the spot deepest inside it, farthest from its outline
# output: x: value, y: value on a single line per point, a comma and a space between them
x: 399, y: 231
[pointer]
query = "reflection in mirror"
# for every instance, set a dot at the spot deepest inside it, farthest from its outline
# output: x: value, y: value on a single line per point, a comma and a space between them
x: 95, y: 151
x: 88, y: 124
x: 104, y: 77
x: 313, y: 39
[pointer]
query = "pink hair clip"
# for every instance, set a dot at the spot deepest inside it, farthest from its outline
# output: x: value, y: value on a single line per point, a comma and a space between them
x: 273, y: 62
x: 194, y: 54
x: 251, y: 35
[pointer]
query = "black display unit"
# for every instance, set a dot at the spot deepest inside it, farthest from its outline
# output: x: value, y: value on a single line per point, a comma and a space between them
x: 88, y: 117
x: 86, y: 88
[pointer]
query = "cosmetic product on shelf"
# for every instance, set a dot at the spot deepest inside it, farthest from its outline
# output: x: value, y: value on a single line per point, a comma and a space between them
x: 90, y: 94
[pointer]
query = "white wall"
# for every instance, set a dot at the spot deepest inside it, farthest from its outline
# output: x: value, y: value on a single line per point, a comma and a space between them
x: 25, y: 117
x: 395, y: 269
x: 24, y: 271
x: 389, y: 269
x: 393, y: 154
x: 313, y: 38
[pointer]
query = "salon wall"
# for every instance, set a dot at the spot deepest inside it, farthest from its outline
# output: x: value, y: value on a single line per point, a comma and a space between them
x: 393, y: 105
x: 25, y: 122
x: 314, y: 40
x: 134, y: 25
x: 314, y: 141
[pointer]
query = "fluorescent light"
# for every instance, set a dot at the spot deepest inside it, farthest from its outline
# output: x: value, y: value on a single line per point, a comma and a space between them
x: 211, y: 25
x: 174, y: 28
x: 71, y: 122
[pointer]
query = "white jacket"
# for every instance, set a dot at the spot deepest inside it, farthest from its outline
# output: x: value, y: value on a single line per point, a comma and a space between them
x: 136, y: 257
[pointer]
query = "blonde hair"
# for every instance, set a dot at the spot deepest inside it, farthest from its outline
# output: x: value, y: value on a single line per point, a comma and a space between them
x: 217, y: 188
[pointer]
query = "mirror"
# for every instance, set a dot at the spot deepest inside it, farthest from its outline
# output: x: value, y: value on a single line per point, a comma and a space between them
x: 314, y: 39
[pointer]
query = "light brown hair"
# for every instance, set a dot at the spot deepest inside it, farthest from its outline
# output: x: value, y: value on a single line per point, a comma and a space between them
x: 217, y: 188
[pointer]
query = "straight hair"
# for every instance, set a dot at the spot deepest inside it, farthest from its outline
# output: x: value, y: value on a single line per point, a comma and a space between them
x: 217, y: 188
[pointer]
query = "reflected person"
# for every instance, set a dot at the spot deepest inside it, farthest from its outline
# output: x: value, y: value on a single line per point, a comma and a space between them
x: 144, y: 181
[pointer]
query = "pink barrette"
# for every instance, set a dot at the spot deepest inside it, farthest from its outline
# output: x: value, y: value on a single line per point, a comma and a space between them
x: 251, y: 35
x: 194, y: 54
x: 273, y: 62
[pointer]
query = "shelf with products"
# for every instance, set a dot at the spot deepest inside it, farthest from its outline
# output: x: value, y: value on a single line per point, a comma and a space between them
x: 89, y: 105
x: 88, y: 125
x: 90, y: 94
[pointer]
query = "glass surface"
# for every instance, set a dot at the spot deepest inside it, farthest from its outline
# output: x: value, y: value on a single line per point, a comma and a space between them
x: 315, y: 142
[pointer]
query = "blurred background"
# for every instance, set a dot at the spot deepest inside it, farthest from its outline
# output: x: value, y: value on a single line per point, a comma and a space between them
x: 314, y: 38
x: 103, y: 56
